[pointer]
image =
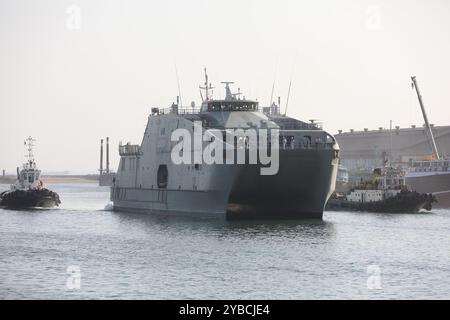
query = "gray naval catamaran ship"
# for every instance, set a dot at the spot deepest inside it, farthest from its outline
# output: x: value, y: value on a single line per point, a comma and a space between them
x: 148, y: 181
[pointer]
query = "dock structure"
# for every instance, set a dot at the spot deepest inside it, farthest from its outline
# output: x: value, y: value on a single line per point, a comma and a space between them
x: 106, y: 177
x: 367, y: 149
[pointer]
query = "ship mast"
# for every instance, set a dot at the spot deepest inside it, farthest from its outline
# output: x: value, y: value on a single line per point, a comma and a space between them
x: 425, y: 118
x: 207, y: 87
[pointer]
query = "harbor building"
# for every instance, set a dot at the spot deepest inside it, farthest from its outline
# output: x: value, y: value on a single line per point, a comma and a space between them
x: 362, y: 151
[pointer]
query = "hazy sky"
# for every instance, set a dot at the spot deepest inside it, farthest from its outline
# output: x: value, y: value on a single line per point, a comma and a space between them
x: 72, y: 72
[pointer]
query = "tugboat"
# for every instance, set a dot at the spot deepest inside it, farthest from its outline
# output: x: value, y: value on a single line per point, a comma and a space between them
x: 29, y: 191
x: 386, y: 193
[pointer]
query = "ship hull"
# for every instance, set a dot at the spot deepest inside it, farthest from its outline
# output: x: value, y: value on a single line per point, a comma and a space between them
x: 305, y: 181
x: 176, y: 202
x: 443, y: 200
x: 300, y: 189
x: 106, y: 179
x: 438, y: 184
x: 404, y: 202
x: 22, y: 199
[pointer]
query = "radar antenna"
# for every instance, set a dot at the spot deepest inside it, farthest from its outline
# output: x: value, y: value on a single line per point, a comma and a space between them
x: 228, y: 94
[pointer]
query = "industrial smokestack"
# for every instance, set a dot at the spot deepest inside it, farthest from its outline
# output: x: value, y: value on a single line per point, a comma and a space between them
x: 107, y: 154
x: 101, y: 156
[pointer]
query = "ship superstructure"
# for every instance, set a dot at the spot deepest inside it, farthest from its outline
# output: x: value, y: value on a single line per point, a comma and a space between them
x: 148, y: 180
x: 28, y: 177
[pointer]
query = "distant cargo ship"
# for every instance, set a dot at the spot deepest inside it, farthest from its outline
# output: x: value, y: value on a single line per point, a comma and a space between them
x: 431, y: 177
x: 148, y: 181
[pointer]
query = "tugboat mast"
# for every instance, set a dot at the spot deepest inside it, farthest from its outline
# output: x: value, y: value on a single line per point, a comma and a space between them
x: 425, y: 118
x: 29, y: 143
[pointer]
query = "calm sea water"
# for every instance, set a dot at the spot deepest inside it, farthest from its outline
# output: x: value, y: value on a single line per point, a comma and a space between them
x: 82, y: 251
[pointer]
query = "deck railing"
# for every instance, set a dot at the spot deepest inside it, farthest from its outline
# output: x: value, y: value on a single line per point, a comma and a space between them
x: 176, y: 110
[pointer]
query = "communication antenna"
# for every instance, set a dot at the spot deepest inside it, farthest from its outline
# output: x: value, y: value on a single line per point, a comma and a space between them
x: 289, y: 90
x: 273, y: 84
x: 287, y: 99
x: 271, y: 95
x: 390, y: 143
x: 178, y: 83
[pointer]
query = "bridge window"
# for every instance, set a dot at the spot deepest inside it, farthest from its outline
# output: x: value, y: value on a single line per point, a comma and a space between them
x: 237, y: 105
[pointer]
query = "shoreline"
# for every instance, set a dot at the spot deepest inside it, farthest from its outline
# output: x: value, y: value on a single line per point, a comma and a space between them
x: 9, y: 179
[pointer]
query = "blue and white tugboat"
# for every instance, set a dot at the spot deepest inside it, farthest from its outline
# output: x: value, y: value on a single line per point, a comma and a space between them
x: 29, y: 191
